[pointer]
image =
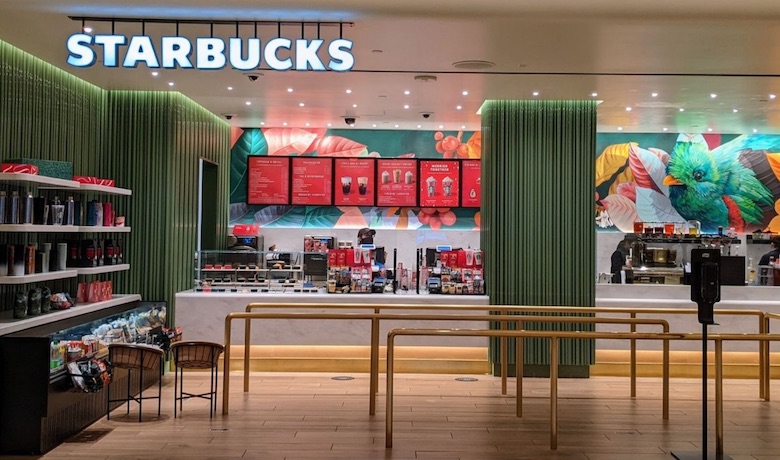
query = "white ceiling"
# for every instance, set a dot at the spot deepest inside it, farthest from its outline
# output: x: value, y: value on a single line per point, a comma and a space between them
x: 564, y: 49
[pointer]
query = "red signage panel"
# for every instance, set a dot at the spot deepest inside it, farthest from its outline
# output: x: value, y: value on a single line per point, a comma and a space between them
x: 396, y: 183
x: 268, y: 180
x: 312, y: 181
x: 471, y: 195
x: 439, y: 183
x: 355, y: 182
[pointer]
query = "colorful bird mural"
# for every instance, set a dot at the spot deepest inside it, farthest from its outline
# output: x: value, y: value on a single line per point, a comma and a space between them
x: 714, y: 186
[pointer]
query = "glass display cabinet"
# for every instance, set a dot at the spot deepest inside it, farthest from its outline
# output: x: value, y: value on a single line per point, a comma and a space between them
x: 259, y: 271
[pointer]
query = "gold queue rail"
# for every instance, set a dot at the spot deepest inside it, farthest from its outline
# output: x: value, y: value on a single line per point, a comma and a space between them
x: 375, y: 319
x: 761, y: 317
x: 555, y: 337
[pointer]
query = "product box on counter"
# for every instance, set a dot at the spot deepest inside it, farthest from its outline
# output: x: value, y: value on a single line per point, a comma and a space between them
x: 94, y: 180
x: 50, y: 168
x: 19, y: 168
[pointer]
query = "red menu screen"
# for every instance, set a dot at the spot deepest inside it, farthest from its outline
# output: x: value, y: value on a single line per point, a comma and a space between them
x: 396, y: 183
x: 439, y: 184
x: 471, y: 196
x: 268, y: 180
x: 312, y: 181
x: 355, y: 182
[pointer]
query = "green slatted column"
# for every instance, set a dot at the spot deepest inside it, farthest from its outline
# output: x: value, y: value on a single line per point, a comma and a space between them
x: 537, y: 217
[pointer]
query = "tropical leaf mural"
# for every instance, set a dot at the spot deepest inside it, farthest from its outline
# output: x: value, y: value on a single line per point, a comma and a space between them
x: 720, y: 180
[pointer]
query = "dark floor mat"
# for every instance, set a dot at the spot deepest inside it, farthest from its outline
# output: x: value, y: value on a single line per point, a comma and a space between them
x: 88, y: 436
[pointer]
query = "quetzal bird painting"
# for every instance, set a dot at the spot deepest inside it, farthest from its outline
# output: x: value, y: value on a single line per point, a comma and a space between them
x: 735, y: 184
x: 715, y: 187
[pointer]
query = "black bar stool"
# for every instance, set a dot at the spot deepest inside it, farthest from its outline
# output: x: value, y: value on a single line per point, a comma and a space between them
x: 135, y: 357
x: 195, y: 355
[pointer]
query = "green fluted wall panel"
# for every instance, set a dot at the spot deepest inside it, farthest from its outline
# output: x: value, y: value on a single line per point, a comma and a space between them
x: 149, y: 142
x: 158, y: 138
x: 537, y: 217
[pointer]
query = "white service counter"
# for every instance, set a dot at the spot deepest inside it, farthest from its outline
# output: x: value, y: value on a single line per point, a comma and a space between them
x: 202, y: 315
x: 678, y: 297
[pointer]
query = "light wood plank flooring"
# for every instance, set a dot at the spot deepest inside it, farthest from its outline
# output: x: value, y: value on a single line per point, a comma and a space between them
x: 311, y: 416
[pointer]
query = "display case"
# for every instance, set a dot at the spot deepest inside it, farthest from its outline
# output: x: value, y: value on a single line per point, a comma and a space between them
x: 39, y: 405
x: 254, y: 271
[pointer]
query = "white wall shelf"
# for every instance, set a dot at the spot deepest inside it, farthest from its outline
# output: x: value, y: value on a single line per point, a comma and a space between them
x: 24, y: 279
x: 104, y: 189
x: 23, y: 178
x: 31, y: 228
x: 103, y: 269
x: 9, y: 326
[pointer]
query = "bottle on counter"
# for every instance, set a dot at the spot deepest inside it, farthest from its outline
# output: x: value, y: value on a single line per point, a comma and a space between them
x: 70, y: 211
x: 13, y: 218
x: 28, y: 208
x: 751, y: 273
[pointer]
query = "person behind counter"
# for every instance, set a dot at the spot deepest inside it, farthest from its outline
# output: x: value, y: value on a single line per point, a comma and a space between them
x: 618, y: 259
x: 774, y: 253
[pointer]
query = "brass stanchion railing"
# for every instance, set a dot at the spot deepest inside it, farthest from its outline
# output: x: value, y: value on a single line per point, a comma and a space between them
x: 509, y: 309
x: 375, y: 319
x: 554, y: 337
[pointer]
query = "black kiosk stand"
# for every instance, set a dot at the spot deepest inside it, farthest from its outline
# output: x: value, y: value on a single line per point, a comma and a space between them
x: 705, y: 291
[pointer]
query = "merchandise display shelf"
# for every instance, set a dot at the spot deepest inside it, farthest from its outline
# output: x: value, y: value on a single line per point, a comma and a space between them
x: 103, y: 229
x: 30, y: 228
x: 103, y: 269
x: 24, y: 279
x: 9, y: 326
x: 23, y: 178
x: 105, y: 189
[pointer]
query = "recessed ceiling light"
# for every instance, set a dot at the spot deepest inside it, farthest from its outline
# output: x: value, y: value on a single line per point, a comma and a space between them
x: 709, y: 130
x: 755, y: 130
x: 620, y: 128
x: 473, y: 65
x: 290, y: 90
x: 407, y: 92
x: 406, y: 106
x: 374, y: 125
x: 262, y: 123
x: 462, y: 126
x: 349, y: 91
x: 301, y: 104
x: 653, y: 94
x: 458, y: 107
x: 465, y: 93
x: 248, y: 102
x: 666, y: 129
x: 155, y: 73
x: 682, y: 109
x: 284, y: 124
x: 376, y: 51
x: 330, y: 124
x: 354, y: 106
x: 735, y: 110
x: 713, y: 95
x: 87, y: 30
x: 170, y: 83
x: 535, y: 93
x: 628, y: 109
x: 396, y: 126
x: 594, y: 94
x: 307, y: 124
x: 441, y: 126
x: 230, y: 88
x: 772, y: 96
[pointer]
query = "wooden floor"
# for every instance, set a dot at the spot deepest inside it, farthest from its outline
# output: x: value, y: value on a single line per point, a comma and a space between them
x: 312, y: 416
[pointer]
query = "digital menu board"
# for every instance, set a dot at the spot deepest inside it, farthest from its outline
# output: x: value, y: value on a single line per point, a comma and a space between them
x: 396, y: 183
x: 355, y: 179
x: 439, y: 183
x: 268, y: 180
x: 312, y: 181
x: 471, y: 195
